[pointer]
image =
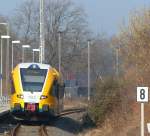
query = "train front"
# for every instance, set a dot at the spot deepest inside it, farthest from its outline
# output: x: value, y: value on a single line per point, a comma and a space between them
x: 34, y: 90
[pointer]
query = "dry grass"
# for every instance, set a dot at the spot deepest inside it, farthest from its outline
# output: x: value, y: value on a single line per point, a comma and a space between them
x: 124, y: 121
x: 122, y: 125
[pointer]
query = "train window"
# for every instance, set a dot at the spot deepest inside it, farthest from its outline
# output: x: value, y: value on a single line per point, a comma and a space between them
x: 33, y: 79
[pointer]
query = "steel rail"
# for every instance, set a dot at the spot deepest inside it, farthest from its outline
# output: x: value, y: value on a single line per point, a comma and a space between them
x: 14, y: 131
x: 43, y: 131
x: 71, y: 111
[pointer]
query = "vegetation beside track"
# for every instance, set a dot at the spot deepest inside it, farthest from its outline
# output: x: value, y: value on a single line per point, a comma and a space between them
x: 134, y: 43
x: 106, y: 99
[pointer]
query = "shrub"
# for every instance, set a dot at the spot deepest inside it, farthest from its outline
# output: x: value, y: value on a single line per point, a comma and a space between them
x: 106, y: 98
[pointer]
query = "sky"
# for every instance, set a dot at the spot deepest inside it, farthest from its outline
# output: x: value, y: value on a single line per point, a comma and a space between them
x: 103, y: 15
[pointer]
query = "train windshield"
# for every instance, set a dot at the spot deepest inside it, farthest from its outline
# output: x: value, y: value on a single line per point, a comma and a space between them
x: 33, y: 79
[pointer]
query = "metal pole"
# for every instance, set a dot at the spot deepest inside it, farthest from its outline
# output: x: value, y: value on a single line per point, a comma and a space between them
x: 89, y: 86
x: 7, y: 60
x: 1, y: 68
x: 39, y: 58
x: 7, y: 55
x: 12, y: 58
x: 40, y: 31
x: 32, y: 56
x: 42, y: 46
x: 59, y: 51
x: 22, y: 54
x: 142, y: 119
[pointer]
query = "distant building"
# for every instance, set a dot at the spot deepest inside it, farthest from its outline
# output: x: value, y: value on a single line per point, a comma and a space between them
x: 76, y: 85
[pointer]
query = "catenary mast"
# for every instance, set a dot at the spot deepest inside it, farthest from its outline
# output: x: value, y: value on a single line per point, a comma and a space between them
x: 42, y: 44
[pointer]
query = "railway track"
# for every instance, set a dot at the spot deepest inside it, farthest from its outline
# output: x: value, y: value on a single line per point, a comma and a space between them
x: 14, y: 131
x: 39, y: 130
x: 71, y: 111
x: 22, y: 130
x: 43, y: 131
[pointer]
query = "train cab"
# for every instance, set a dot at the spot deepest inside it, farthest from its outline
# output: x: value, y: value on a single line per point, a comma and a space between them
x: 36, y: 89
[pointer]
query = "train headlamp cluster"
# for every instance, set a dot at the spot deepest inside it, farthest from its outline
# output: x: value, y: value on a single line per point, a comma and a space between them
x: 43, y: 97
x: 20, y: 96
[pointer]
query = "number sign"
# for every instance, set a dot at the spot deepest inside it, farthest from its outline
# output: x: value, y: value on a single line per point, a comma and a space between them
x: 142, y: 94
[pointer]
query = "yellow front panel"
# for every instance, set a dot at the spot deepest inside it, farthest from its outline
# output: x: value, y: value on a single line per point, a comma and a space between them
x: 18, y: 88
x: 51, y: 101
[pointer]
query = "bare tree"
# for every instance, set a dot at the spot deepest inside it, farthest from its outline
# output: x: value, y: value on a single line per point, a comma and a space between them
x: 65, y: 17
x: 59, y: 16
x: 134, y: 42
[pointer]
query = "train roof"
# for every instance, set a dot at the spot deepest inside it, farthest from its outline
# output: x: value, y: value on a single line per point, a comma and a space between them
x: 34, y: 65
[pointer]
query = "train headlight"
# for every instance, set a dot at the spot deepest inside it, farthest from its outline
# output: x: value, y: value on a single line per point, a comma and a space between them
x: 43, y: 97
x: 20, y: 96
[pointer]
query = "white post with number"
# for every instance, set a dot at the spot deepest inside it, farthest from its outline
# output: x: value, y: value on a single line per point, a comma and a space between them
x: 142, y: 96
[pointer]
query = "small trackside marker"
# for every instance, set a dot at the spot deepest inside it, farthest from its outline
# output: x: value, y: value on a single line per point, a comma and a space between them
x: 142, y: 96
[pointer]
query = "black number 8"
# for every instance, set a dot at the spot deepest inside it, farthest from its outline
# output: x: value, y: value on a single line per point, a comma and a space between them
x: 142, y: 94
